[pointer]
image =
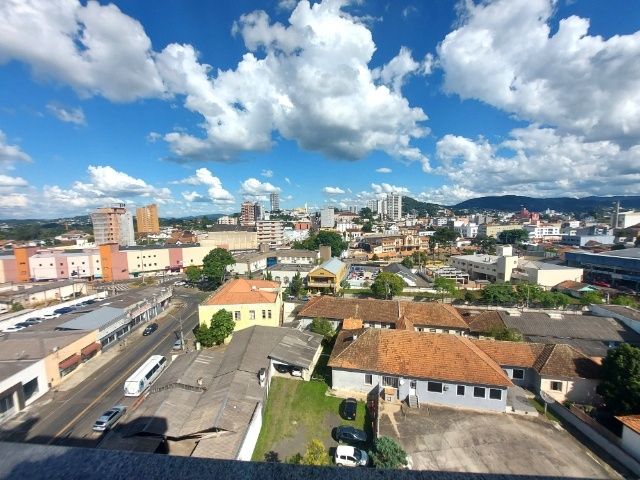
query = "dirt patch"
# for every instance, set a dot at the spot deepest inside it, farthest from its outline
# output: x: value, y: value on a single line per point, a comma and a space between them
x: 289, y: 446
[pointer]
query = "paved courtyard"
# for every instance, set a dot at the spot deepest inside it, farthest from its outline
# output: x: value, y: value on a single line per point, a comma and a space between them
x: 448, y: 439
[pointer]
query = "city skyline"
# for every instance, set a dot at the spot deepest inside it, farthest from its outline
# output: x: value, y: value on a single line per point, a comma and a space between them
x: 199, y: 108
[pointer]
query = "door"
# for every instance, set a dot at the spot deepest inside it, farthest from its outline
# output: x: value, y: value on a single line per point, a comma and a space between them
x: 412, y: 387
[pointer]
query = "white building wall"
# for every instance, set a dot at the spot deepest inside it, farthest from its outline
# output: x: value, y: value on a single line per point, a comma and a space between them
x: 251, y: 435
x: 34, y: 371
x: 631, y: 442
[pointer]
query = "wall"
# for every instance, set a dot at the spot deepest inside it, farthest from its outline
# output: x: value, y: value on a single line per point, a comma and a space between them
x: 352, y: 380
x: 54, y: 358
x: 550, y: 278
x: 629, y: 322
x: 251, y: 435
x: 631, y: 442
x: 14, y: 386
x: 8, y: 269
x: 205, y: 312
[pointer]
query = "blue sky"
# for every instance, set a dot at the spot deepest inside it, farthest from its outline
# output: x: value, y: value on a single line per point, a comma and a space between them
x: 198, y: 106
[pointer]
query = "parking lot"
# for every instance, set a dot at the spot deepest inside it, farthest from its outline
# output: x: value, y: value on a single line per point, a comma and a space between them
x: 448, y: 439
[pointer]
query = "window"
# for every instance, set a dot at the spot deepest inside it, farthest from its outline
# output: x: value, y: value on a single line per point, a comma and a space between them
x: 368, y: 379
x: 518, y: 374
x: 556, y: 386
x: 432, y: 330
x: 269, y: 313
x: 264, y: 314
x: 460, y: 390
x: 479, y: 392
x: 236, y: 315
x: 435, y: 387
x: 252, y: 314
x: 495, y: 394
x: 390, y: 382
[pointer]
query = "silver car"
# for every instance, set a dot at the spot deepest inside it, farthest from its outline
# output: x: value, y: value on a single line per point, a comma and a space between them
x: 109, y: 418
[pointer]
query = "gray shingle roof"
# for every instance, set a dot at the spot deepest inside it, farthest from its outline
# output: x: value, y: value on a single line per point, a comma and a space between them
x: 96, y: 319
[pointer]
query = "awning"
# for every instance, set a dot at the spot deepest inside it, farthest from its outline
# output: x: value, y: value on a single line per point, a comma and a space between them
x: 72, y: 360
x: 89, y: 349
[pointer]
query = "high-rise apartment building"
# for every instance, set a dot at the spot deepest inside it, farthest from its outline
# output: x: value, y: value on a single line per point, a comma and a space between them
x: 113, y: 224
x: 258, y: 211
x: 147, y: 219
x: 394, y: 206
x: 270, y: 231
x: 275, y: 202
x: 247, y: 214
x: 353, y: 208
x: 372, y: 205
x: 327, y: 219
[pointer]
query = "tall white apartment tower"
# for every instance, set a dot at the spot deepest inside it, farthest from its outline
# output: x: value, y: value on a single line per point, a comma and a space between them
x: 275, y: 202
x: 326, y: 218
x: 394, y: 206
x: 113, y: 224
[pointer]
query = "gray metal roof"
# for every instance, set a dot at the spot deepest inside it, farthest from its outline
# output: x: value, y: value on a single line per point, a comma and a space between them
x: 297, y: 348
x: 591, y: 348
x: 586, y: 327
x: 96, y: 319
x: 332, y: 265
x: 622, y: 310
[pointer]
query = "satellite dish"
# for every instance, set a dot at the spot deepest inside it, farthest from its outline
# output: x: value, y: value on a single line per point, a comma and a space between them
x: 547, y: 397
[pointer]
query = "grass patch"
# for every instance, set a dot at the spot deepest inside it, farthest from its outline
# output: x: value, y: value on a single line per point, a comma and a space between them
x: 540, y: 408
x: 295, y: 404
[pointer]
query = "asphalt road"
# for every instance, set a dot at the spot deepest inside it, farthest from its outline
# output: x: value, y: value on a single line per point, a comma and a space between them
x: 67, y: 417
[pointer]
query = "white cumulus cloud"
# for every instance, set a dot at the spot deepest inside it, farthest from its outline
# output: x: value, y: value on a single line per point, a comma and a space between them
x: 255, y: 189
x: 383, y: 170
x: 332, y: 190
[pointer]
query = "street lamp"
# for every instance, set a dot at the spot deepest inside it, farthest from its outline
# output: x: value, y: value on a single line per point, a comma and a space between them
x: 179, y: 319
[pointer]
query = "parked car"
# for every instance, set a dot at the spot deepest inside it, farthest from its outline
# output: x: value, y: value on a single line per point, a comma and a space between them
x: 13, y: 329
x: 305, y: 298
x: 296, y: 372
x: 34, y: 320
x: 350, y: 457
x: 48, y: 316
x: 350, y: 407
x: 282, y: 368
x: 90, y: 301
x: 109, y: 418
x: 600, y: 283
x: 150, y: 329
x: 64, y: 310
x: 177, y: 345
x: 349, y: 434
x: 23, y: 324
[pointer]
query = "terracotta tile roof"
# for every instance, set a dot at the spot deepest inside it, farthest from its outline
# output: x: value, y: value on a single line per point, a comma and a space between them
x: 242, y: 291
x: 340, y: 308
x: 571, y: 285
x: 351, y: 324
x: 418, y: 355
x: 433, y: 314
x: 631, y: 421
x: 483, y: 322
x: 558, y: 360
x: 517, y: 354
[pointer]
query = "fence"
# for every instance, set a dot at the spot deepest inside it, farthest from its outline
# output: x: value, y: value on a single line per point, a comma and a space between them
x: 603, y: 441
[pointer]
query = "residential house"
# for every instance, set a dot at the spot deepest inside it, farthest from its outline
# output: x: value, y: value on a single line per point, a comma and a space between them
x: 251, y: 302
x: 327, y: 276
x: 436, y: 368
x: 547, y: 275
x: 574, y: 289
x: 631, y: 434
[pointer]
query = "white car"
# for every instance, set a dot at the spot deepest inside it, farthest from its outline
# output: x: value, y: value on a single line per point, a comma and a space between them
x: 296, y: 372
x: 347, y: 456
x: 15, y: 328
x: 50, y: 315
x: 109, y: 418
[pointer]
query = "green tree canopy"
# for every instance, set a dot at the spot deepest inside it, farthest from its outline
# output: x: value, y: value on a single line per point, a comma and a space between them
x: 499, y: 292
x: 387, y: 285
x: 506, y: 334
x: 205, y: 336
x: 323, y: 327
x: 367, y: 227
x: 625, y: 300
x: 483, y: 241
x: 194, y: 274
x: 419, y: 258
x: 316, y: 454
x: 388, y: 454
x: 445, y: 237
x: 332, y: 239
x: 620, y: 384
x: 222, y: 326
x: 527, y: 291
x: 407, y: 262
x: 590, y: 297
x: 515, y: 235
x: 215, y: 263
x: 553, y: 300
x: 296, y: 284
x: 446, y: 286
x: 375, y: 257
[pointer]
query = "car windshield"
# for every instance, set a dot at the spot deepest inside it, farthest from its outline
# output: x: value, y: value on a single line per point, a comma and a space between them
x: 357, y: 454
x: 99, y: 423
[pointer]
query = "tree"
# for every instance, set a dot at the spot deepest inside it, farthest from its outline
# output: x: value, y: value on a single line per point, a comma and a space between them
x: 296, y: 284
x: 528, y: 292
x: 344, y: 284
x: 388, y: 454
x: 553, y: 299
x: 387, y: 285
x: 204, y: 335
x: 620, y: 384
x: 590, y: 297
x: 483, y: 241
x: 194, y: 274
x: 323, y: 327
x: 375, y: 257
x: 516, y: 235
x: 367, y: 227
x: 407, y: 262
x: 445, y: 285
x: 268, y: 276
x: 419, y: 258
x: 316, y: 454
x: 215, y: 263
x: 624, y: 300
x: 222, y: 326
x: 445, y: 237
x: 505, y: 334
x: 499, y: 292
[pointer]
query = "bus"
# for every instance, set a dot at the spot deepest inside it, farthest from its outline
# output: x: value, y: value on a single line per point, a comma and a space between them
x: 144, y: 376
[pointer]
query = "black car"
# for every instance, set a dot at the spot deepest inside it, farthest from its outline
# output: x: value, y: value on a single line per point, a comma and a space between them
x: 150, y: 329
x: 282, y: 368
x: 349, y: 434
x: 350, y: 407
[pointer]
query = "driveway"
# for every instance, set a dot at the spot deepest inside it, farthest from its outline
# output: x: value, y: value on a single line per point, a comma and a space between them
x: 449, y: 439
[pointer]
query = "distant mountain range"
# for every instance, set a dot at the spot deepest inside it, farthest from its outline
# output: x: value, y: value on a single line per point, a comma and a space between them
x: 560, y: 204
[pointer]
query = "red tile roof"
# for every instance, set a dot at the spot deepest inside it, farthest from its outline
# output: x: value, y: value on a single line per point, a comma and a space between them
x: 517, y: 354
x: 485, y: 321
x: 243, y: 291
x: 631, y: 421
x: 433, y: 314
x: 418, y: 355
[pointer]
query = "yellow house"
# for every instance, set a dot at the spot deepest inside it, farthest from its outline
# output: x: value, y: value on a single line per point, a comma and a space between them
x: 329, y: 275
x: 251, y: 302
